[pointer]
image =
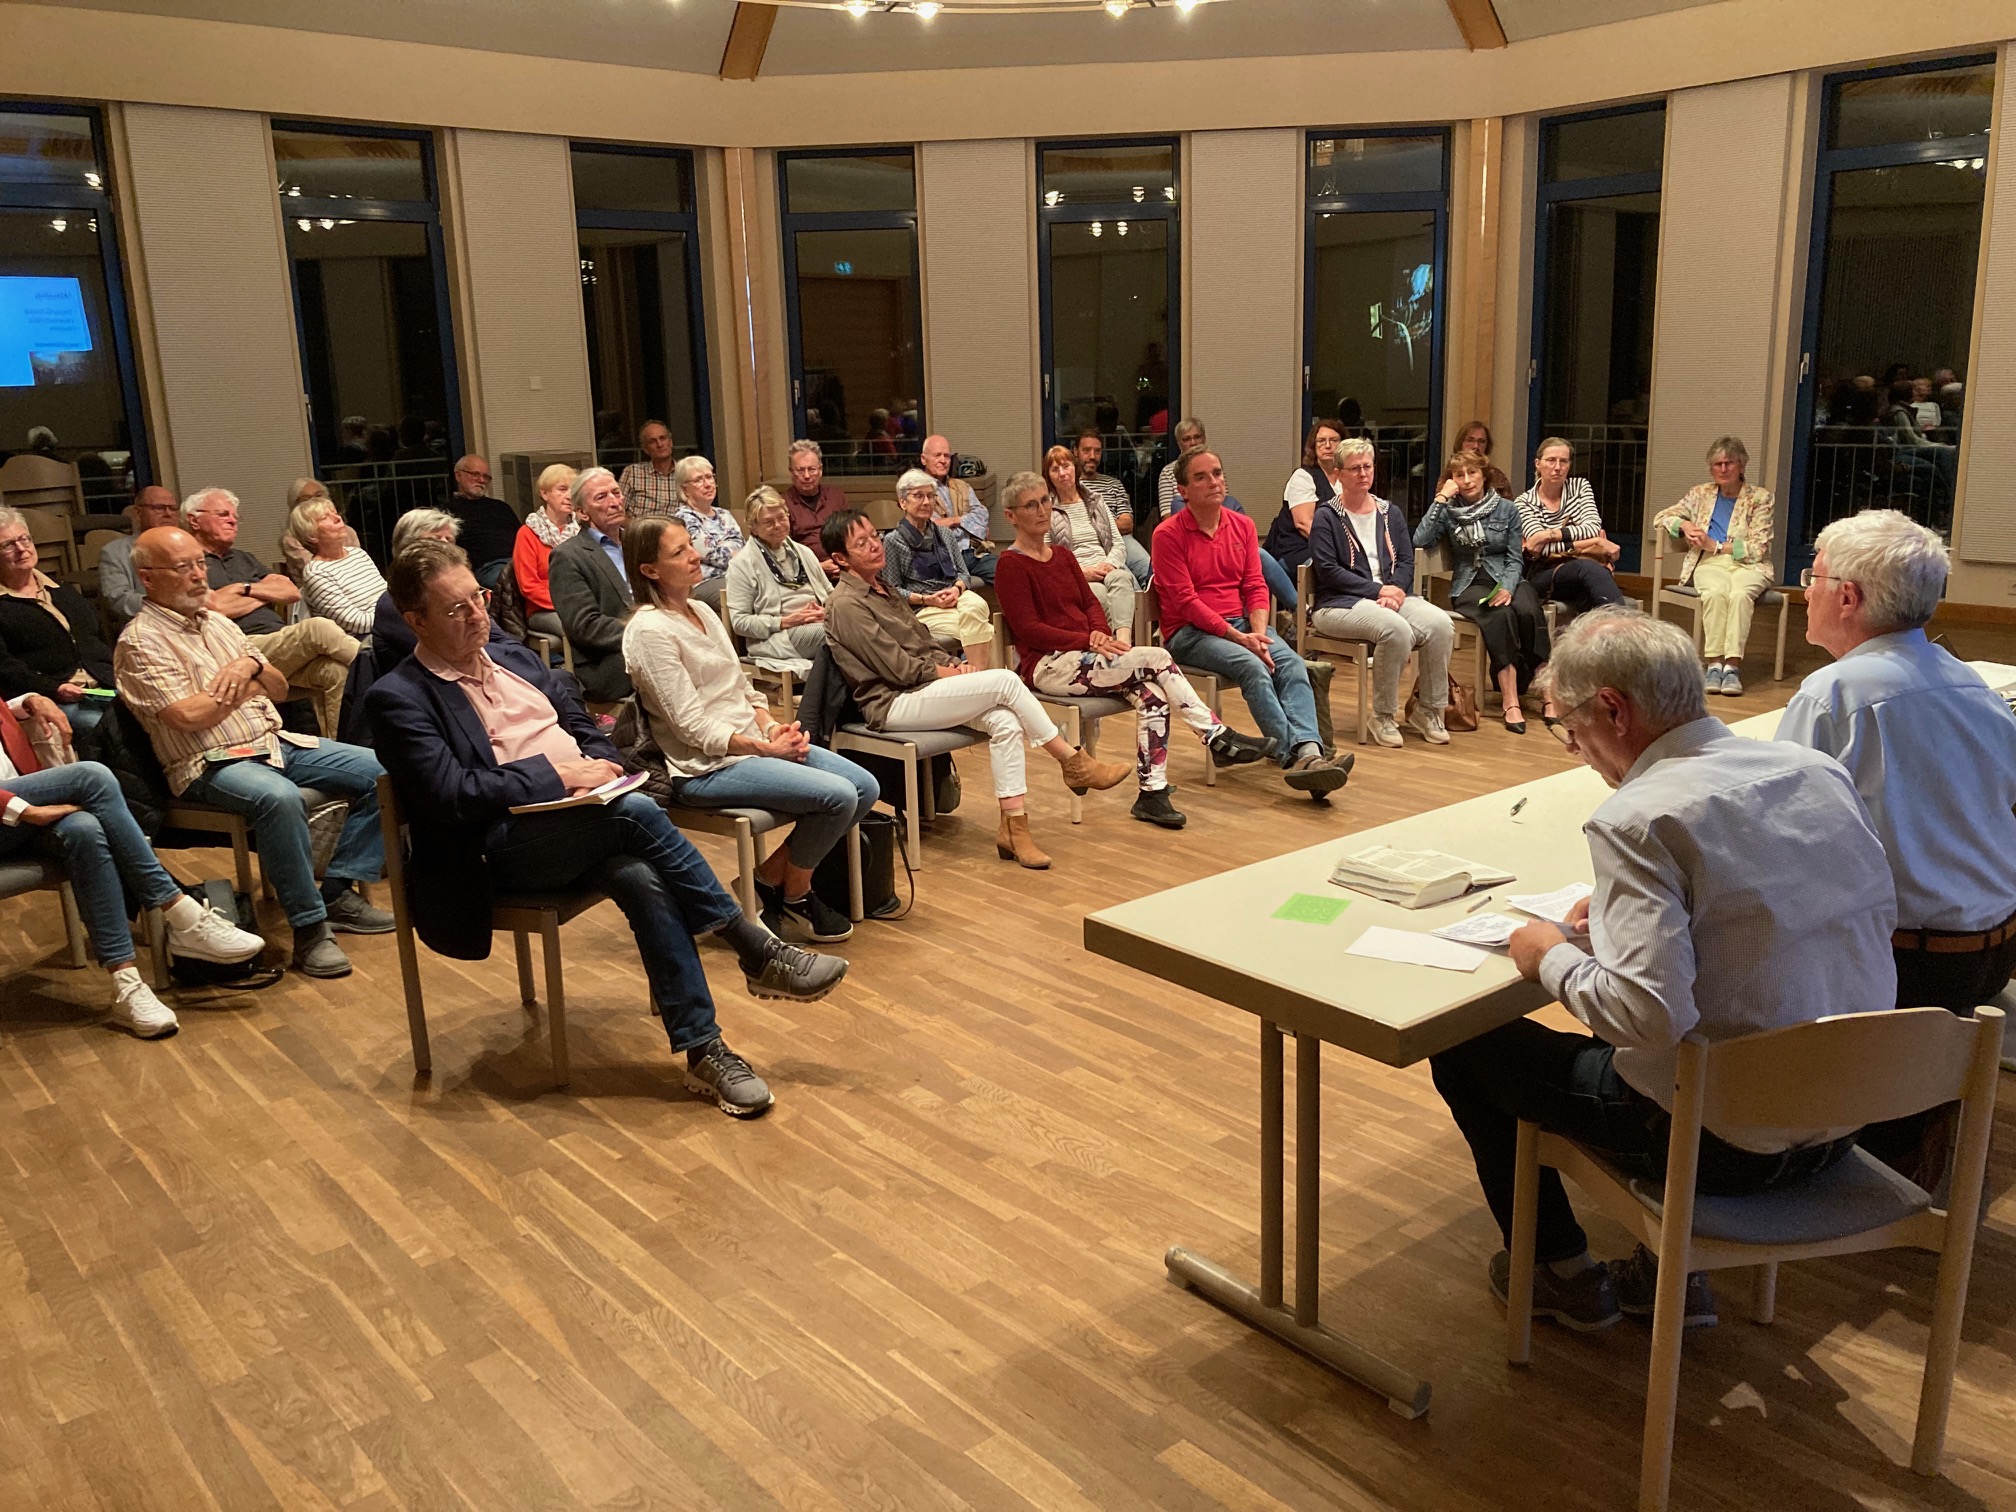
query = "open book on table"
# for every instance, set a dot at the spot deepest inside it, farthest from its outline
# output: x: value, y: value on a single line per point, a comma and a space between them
x: 608, y: 792
x: 1413, y: 879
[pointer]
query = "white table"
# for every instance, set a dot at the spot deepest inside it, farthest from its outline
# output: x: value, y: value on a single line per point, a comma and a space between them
x: 1218, y: 936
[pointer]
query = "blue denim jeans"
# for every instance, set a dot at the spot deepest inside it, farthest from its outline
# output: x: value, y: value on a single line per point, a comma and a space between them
x: 1280, y: 581
x: 1280, y: 701
x: 95, y: 849
x: 271, y: 799
x: 829, y: 793
x: 980, y: 564
x: 84, y: 714
x: 632, y: 852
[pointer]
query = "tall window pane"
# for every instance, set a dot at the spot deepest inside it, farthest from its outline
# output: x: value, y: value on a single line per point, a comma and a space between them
x: 68, y: 388
x: 856, y: 320
x: 640, y: 298
x: 1596, y: 279
x: 1890, y: 312
x: 377, y: 355
x: 1372, y: 349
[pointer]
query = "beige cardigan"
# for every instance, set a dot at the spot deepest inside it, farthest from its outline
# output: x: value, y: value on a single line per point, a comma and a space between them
x: 1750, y: 522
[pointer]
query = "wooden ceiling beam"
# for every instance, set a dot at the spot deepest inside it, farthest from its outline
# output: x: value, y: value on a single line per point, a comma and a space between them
x: 749, y: 35
x: 1478, y: 21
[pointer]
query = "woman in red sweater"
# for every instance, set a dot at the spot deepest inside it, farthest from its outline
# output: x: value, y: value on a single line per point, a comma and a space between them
x: 546, y: 527
x: 1068, y: 649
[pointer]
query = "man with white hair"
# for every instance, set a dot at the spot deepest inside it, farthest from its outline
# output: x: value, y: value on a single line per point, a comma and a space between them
x: 1739, y: 887
x: 960, y: 510
x: 313, y: 654
x: 1929, y: 747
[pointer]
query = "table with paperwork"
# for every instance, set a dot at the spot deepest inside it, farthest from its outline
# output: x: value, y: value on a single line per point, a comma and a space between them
x: 1220, y: 937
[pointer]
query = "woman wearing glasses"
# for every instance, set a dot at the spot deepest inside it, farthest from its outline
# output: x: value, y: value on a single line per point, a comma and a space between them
x: 776, y: 593
x: 1569, y: 559
x: 714, y: 532
x: 927, y: 571
x: 1726, y: 525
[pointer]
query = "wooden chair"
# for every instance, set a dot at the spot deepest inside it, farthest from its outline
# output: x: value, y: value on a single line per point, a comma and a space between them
x: 747, y: 827
x: 28, y: 481
x: 1081, y: 716
x: 49, y: 528
x: 910, y: 749
x: 1310, y: 641
x: 209, y: 819
x: 1205, y: 684
x: 1432, y: 571
x: 1839, y: 1072
x: 521, y: 913
x: 95, y: 542
x: 1670, y: 595
x: 24, y: 872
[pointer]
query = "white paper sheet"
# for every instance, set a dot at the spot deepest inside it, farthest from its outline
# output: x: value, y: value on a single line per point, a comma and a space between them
x: 1383, y: 944
x: 1488, y: 929
x: 1553, y: 906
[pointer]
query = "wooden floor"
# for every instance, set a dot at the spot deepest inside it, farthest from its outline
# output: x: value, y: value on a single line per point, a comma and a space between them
x: 261, y: 1266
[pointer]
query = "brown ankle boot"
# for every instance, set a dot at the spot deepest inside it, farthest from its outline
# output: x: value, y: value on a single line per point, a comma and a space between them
x: 1013, y: 842
x: 1083, y: 772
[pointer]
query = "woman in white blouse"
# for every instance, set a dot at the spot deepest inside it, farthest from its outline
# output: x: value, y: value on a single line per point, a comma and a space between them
x: 721, y: 746
x: 339, y: 581
x: 776, y: 593
x: 1084, y: 527
x: 1569, y: 558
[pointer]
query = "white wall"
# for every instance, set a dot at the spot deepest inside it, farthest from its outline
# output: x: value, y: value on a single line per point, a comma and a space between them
x: 1986, y: 529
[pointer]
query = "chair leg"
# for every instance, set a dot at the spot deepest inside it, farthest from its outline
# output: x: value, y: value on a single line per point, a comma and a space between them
x: 521, y: 946
x: 911, y: 783
x: 1213, y: 700
x: 786, y: 686
x: 1764, y: 1293
x: 1074, y: 733
x: 856, y: 909
x: 556, y: 998
x: 416, y: 1004
x: 1662, y: 1381
x: 73, y: 927
x: 156, y: 925
x: 1363, y: 662
x: 1525, y: 1223
x: 745, y: 870
x: 241, y: 856
x: 1778, y: 665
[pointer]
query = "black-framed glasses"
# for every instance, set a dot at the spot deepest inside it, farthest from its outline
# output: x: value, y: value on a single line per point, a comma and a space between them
x: 1557, y: 726
x: 1808, y: 577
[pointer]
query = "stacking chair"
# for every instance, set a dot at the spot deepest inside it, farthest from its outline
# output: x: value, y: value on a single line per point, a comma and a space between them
x: 1206, y: 685
x: 521, y: 913
x: 28, y: 481
x: 209, y: 819
x: 1671, y: 595
x: 1838, y: 1072
x: 911, y: 749
x: 23, y: 872
x: 49, y: 528
x: 747, y: 827
x: 1431, y: 568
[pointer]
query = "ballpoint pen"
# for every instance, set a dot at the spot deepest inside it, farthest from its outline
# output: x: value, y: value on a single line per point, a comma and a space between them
x: 1478, y: 904
x: 1518, y: 806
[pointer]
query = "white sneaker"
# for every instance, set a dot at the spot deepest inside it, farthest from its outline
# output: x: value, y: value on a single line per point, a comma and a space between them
x: 136, y: 1010
x: 1428, y: 725
x: 212, y: 937
x: 1384, y: 731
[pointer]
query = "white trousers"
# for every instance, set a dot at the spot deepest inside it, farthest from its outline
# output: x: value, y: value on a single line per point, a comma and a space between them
x: 995, y: 701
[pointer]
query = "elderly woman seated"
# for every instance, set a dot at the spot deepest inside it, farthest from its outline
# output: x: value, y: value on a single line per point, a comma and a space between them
x: 715, y: 534
x: 1068, y: 649
x: 339, y: 581
x: 776, y: 590
x: 1084, y: 527
x: 721, y: 746
x: 927, y: 571
x: 1726, y: 525
x: 531, y: 554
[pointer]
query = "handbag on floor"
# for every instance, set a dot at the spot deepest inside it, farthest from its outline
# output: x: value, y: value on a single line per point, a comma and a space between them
x: 1461, y: 713
x: 881, y: 840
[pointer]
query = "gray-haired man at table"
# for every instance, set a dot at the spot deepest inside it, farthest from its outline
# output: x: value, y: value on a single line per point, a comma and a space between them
x: 1739, y: 887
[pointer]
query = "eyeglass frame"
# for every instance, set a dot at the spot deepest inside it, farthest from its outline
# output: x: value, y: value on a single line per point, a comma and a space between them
x: 1558, y: 725
x: 1808, y: 577
x: 460, y: 612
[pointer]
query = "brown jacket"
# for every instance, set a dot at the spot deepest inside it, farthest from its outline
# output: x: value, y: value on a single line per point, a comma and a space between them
x: 879, y: 645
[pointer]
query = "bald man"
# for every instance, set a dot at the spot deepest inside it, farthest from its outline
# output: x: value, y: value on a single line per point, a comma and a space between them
x: 959, y: 509
x: 118, y: 589
x: 206, y: 696
x: 489, y: 528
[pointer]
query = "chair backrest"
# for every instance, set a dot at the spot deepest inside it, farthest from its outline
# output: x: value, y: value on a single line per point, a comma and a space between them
x: 29, y: 479
x: 95, y: 542
x: 1660, y: 541
x: 884, y: 512
x: 46, y: 526
x: 1846, y: 1070
x: 392, y: 821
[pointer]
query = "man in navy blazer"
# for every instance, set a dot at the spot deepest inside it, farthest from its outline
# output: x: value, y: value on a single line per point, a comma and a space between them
x: 468, y: 731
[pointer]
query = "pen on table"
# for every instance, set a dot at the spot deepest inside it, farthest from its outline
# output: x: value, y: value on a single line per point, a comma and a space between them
x: 1483, y: 900
x: 1518, y: 806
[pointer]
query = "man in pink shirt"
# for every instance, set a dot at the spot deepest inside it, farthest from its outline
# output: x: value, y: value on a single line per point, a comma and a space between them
x: 1212, y: 594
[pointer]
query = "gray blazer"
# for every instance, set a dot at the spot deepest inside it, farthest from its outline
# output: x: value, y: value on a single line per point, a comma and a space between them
x: 593, y: 603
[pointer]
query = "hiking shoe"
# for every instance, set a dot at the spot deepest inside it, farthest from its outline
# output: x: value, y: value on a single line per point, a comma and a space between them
x: 1315, y: 774
x: 136, y: 1010
x: 212, y: 937
x: 1711, y: 680
x: 1385, y: 731
x: 713, y: 1070
x: 317, y: 954
x: 1155, y: 808
x: 788, y: 972
x: 770, y: 907
x: 813, y: 918
x: 1636, y: 1281
x: 1732, y: 681
x: 350, y: 913
x: 1585, y: 1302
x: 1428, y: 725
x: 1230, y: 748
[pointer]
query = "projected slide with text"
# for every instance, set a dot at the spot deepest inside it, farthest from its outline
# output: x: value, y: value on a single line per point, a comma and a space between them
x: 44, y: 334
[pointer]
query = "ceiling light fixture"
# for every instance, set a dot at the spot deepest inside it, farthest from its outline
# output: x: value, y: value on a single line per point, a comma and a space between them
x: 1118, y: 8
x: 857, y: 8
x: 925, y: 9
x: 1186, y: 5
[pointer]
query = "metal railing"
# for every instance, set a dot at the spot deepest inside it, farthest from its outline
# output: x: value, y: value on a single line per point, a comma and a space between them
x: 374, y: 494
x: 1855, y: 467
x: 1612, y: 458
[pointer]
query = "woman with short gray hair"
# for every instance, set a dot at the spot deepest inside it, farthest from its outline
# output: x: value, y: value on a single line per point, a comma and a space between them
x: 419, y: 524
x: 1726, y: 525
x: 775, y: 591
x: 715, y: 534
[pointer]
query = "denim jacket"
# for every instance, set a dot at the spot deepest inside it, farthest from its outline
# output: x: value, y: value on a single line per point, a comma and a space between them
x: 1498, y: 557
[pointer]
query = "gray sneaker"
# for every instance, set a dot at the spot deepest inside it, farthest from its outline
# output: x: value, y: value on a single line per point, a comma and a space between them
x: 788, y: 972
x: 1584, y: 1303
x: 1636, y: 1279
x: 1427, y: 723
x: 1732, y: 681
x: 351, y: 914
x: 1386, y: 731
x: 317, y: 954
x: 713, y: 1070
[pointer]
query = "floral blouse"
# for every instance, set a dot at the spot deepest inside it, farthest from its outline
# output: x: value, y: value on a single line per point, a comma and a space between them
x: 716, y: 537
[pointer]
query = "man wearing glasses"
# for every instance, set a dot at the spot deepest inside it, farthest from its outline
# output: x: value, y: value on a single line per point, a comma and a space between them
x: 205, y: 695
x: 1739, y: 887
x: 489, y: 528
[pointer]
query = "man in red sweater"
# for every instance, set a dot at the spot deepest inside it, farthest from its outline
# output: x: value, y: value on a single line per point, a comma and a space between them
x: 1212, y: 594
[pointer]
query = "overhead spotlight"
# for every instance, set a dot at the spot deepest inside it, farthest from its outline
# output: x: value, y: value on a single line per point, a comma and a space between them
x: 1139, y: 194
x: 1053, y: 197
x: 1169, y: 192
x: 1098, y: 229
x: 1118, y: 7
x: 1121, y: 228
x: 926, y: 9
x: 857, y: 8
x: 93, y: 180
x: 1185, y: 5
x: 59, y: 224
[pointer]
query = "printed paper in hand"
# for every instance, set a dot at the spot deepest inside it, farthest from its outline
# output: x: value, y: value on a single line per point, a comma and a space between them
x: 608, y: 792
x: 1492, y: 930
x: 1553, y: 906
x: 1410, y: 949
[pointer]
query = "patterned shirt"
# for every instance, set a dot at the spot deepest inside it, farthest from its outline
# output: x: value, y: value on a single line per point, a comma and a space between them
x: 1577, y: 519
x: 164, y: 657
x: 1108, y: 491
x: 646, y: 491
x: 716, y: 537
x: 346, y: 590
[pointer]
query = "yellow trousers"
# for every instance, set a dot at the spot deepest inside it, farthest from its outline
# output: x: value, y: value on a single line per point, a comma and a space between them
x: 1729, y: 592
x: 970, y: 620
x: 314, y: 655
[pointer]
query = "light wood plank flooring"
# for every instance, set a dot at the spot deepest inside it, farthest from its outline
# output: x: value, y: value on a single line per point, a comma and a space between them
x: 260, y: 1266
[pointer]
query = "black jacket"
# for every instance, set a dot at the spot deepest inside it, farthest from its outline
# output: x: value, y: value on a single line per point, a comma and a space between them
x: 37, y: 655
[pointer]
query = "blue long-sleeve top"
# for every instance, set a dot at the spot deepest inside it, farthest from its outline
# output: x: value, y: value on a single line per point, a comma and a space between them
x: 1337, y: 558
x: 1497, y: 558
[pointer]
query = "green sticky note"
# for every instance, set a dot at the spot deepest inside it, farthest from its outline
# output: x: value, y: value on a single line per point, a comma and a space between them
x: 1309, y: 908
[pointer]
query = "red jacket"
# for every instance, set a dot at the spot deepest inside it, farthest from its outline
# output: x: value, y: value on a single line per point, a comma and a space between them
x: 1204, y: 580
x: 1048, y: 605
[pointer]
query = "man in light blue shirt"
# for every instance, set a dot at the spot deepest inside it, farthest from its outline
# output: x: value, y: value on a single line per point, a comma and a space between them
x: 1930, y: 748
x: 1739, y: 888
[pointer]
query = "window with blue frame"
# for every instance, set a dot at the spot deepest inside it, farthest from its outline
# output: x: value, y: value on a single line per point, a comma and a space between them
x: 363, y: 231
x: 1595, y: 282
x: 1375, y: 244
x: 640, y: 298
x: 1897, y: 204
x: 69, y: 388
x: 855, y: 316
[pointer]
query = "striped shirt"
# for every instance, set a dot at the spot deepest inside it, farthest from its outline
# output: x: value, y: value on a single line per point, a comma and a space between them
x: 1577, y: 518
x: 1108, y: 491
x: 346, y: 590
x: 164, y: 657
x: 646, y: 491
